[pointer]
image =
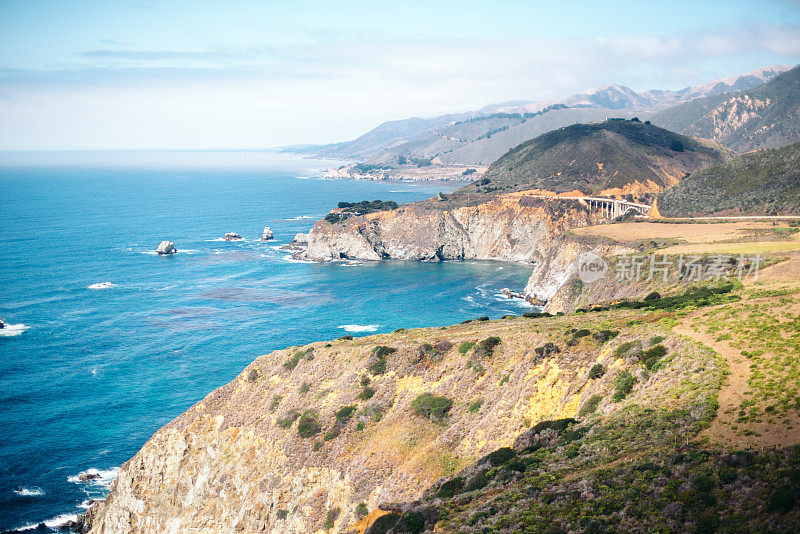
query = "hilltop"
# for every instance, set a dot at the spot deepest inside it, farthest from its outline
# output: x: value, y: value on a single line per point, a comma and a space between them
x: 765, y: 117
x: 763, y: 183
x: 611, y: 157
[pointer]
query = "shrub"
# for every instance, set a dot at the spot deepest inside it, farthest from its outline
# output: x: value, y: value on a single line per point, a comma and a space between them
x: 276, y: 400
x: 652, y: 355
x: 364, y: 381
x: 782, y: 499
x: 414, y: 523
x: 252, y: 375
x: 501, y: 456
x: 465, y: 347
x: 546, y: 350
x: 628, y: 348
x: 366, y: 393
x: 345, y: 413
x: 399, y: 331
x: 330, y: 519
x: 331, y: 434
x: 597, y: 371
x: 442, y: 346
x: 624, y: 384
x: 486, y: 347
x: 431, y: 407
x: 450, y: 488
x: 475, y: 405
x: 590, y: 406
x: 288, y: 419
x: 536, y: 315
x: 308, y: 426
x: 377, y: 365
x: 484, y: 318
x: 304, y: 388
x: 292, y: 362
x: 362, y: 510
x: 282, y: 514
x: 655, y: 295
x: 583, y: 332
x: 346, y: 338
x: 605, y: 335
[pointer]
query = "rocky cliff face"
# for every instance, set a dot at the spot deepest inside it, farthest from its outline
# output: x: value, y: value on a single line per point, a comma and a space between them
x: 511, y: 227
x: 305, y: 435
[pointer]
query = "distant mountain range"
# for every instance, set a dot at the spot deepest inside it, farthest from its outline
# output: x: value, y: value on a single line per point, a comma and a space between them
x: 765, y: 117
x: 480, y: 137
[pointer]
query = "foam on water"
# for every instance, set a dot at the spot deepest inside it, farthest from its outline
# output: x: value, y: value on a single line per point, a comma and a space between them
x: 357, y: 328
x: 301, y: 217
x: 29, y: 492
x: 102, y: 285
x: 12, y: 330
x: 104, y: 476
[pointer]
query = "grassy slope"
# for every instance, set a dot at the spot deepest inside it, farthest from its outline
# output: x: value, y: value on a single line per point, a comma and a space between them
x: 665, y: 458
x: 765, y: 117
x: 763, y: 183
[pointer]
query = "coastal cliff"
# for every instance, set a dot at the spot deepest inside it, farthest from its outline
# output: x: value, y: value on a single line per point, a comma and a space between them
x: 510, y: 227
x: 304, y: 436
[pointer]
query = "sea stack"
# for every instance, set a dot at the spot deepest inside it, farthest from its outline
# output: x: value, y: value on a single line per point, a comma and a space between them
x: 232, y: 236
x: 2, y: 324
x: 165, y: 248
x: 267, y: 234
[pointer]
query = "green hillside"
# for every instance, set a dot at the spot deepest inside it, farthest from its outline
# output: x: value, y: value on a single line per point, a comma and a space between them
x: 762, y: 183
x: 765, y: 117
x: 598, y: 156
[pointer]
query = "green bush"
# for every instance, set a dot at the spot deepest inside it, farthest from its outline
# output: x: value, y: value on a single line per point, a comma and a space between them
x: 605, y: 335
x: 290, y: 417
x: 465, y: 347
x: 276, y: 400
x: 475, y: 405
x: 485, y: 348
x: 652, y: 355
x: 414, y: 523
x: 590, y: 406
x: 366, y: 393
x: 501, y: 456
x: 362, y: 510
x: 628, y: 348
x: 484, y: 318
x: 304, y: 388
x: 536, y: 315
x: 546, y: 350
x: 292, y: 362
x: 378, y: 365
x: 597, y: 371
x: 331, y: 434
x: 623, y: 385
x: 308, y: 426
x: 282, y: 514
x: 431, y: 407
x: 345, y: 413
x: 655, y: 295
x: 330, y: 519
x: 450, y: 488
x: 782, y: 499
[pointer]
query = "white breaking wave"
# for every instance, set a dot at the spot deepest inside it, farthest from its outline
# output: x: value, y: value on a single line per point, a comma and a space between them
x: 301, y: 217
x: 360, y: 327
x: 102, y: 285
x: 103, y: 477
x: 290, y: 259
x: 57, y: 521
x: 29, y: 492
x: 11, y: 330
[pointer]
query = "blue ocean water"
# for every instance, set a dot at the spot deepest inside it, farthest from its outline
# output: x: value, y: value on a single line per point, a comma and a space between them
x: 108, y: 342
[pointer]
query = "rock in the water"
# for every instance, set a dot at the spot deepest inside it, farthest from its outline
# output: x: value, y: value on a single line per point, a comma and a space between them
x: 267, y: 234
x: 2, y: 324
x: 85, y: 477
x: 166, y: 247
x: 232, y: 236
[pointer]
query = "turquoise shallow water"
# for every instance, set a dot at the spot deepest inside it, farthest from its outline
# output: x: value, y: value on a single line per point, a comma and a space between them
x: 93, y: 373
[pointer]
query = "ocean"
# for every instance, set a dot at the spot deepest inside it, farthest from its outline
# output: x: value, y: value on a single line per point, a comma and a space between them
x: 106, y: 341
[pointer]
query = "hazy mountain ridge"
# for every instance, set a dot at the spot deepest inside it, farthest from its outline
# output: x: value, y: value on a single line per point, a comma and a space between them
x: 765, y: 117
x: 492, y: 135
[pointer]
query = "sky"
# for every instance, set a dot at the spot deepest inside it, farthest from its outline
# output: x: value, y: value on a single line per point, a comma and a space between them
x: 146, y: 74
